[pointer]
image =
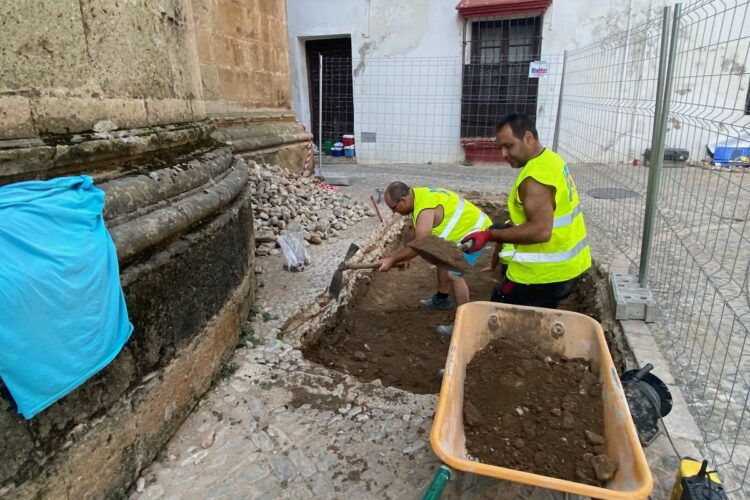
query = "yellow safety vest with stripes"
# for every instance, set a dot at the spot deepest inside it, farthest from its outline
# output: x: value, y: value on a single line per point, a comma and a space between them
x: 460, y: 217
x: 506, y: 253
x: 567, y: 254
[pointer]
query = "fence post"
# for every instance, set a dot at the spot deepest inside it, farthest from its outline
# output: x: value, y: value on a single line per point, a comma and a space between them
x: 656, y: 157
x: 320, y: 114
x: 556, y: 138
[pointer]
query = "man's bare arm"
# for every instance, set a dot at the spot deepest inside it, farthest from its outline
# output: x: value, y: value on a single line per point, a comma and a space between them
x: 423, y: 229
x: 539, y: 206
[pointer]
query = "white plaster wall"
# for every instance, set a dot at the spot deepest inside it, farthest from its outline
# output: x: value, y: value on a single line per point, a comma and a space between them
x: 573, y: 24
x: 407, y: 77
x: 406, y: 73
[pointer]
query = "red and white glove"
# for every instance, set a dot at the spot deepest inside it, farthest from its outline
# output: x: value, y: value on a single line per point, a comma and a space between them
x: 477, y: 241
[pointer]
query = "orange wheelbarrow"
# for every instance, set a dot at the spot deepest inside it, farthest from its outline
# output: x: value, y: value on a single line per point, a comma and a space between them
x: 570, y: 334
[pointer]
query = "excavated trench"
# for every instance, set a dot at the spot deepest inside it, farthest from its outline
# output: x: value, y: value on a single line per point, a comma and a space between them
x: 382, y: 333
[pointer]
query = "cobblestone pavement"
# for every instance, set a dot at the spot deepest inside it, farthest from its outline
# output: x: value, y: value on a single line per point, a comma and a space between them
x: 282, y: 427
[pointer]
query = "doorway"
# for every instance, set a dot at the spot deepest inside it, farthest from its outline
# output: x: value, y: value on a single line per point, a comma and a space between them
x: 338, y: 96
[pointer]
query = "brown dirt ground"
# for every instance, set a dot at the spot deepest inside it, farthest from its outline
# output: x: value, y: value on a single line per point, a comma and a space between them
x: 531, y: 410
x: 387, y: 336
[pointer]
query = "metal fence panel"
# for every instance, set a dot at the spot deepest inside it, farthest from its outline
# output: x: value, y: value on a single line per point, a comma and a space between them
x: 701, y: 244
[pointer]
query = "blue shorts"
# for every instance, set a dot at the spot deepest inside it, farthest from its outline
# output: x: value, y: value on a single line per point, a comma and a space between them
x: 471, y: 258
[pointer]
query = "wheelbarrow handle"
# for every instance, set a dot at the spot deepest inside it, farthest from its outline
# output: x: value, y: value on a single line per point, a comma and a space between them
x: 436, y: 487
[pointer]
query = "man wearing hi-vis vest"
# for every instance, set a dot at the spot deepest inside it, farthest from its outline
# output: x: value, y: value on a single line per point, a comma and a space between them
x: 548, y: 232
x: 446, y: 215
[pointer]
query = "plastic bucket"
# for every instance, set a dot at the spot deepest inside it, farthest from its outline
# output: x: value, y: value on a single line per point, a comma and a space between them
x: 337, y: 151
x: 327, y: 146
x: 348, y: 140
x: 571, y: 334
x: 349, y: 151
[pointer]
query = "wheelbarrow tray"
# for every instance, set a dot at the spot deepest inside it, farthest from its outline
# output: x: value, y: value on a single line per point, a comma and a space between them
x: 582, y: 337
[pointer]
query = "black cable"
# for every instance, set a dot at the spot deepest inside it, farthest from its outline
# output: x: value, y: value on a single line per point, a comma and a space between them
x: 666, y: 431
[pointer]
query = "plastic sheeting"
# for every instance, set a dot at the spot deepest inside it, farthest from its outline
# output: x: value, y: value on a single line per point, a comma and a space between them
x: 62, y: 311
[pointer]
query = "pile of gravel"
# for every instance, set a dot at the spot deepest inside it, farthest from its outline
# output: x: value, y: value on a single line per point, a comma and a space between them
x: 280, y: 197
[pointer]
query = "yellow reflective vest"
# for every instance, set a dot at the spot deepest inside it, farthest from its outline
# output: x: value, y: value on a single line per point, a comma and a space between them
x: 460, y: 217
x: 567, y: 254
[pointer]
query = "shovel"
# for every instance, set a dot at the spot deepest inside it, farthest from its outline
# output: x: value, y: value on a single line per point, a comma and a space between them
x: 440, y: 252
x: 334, y: 289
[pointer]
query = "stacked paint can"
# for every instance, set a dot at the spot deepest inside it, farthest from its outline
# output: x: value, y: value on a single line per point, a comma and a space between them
x: 349, y: 146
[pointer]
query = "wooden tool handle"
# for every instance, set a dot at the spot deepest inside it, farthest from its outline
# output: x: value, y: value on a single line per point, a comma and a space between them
x: 369, y: 265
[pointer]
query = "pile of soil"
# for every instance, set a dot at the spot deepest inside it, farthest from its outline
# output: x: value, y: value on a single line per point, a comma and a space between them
x: 535, y: 411
x: 583, y: 298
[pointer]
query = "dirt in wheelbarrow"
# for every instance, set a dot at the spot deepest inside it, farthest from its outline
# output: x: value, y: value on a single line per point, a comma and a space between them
x: 535, y: 411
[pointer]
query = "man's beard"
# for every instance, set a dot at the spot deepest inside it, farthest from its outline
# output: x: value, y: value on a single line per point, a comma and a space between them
x: 514, y: 163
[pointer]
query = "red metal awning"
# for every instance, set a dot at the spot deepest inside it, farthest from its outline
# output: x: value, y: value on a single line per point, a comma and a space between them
x: 487, y: 8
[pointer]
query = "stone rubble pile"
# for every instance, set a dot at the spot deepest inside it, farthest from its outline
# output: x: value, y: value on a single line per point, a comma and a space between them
x: 280, y: 197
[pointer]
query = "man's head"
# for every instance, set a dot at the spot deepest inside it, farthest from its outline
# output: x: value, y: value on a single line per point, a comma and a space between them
x: 399, y: 198
x: 517, y: 138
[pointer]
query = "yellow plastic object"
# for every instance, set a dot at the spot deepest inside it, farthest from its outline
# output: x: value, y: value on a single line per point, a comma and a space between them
x: 689, y: 467
x: 571, y: 334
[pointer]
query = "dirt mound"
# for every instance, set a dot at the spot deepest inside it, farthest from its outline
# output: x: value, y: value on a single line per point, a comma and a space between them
x: 534, y: 411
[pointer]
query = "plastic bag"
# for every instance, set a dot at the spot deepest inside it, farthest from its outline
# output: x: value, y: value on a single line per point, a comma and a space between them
x: 293, y: 246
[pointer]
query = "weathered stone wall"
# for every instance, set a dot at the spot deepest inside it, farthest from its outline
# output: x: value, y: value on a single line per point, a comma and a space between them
x: 266, y: 137
x: 244, y: 53
x: 75, y: 65
x: 69, y: 64
x: 184, y: 237
x: 140, y: 94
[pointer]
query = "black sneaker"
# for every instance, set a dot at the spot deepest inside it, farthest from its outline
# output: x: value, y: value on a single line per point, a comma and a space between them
x: 436, y: 302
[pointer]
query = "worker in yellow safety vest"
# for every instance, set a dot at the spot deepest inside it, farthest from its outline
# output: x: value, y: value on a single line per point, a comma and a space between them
x: 548, y: 231
x: 445, y: 214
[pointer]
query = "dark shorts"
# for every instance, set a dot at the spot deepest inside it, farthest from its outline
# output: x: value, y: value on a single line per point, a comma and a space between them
x: 545, y: 295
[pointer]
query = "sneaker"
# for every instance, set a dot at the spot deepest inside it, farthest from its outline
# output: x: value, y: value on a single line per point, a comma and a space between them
x: 444, y: 330
x: 436, y: 302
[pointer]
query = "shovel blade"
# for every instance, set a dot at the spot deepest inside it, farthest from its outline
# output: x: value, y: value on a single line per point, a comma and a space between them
x: 334, y: 289
x: 441, y: 253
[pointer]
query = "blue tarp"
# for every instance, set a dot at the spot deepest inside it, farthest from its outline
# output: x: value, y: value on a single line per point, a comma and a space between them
x: 62, y: 311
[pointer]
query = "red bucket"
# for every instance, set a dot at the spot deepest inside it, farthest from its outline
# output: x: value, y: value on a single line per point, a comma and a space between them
x: 348, y: 140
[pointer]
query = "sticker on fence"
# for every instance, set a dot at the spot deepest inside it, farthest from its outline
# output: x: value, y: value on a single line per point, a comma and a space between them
x: 538, y: 69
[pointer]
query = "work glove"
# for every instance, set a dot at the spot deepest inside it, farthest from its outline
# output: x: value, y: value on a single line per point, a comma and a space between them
x: 476, y: 241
